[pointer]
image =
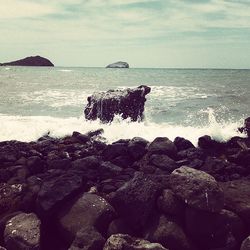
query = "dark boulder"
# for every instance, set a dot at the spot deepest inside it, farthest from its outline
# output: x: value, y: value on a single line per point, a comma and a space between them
x: 55, y: 190
x: 163, y: 162
x: 197, y: 189
x: 128, y: 103
x: 182, y: 143
x: 246, y: 127
x: 237, y: 198
x: 213, y: 230
x: 30, y: 61
x: 135, y: 200
x: 90, y: 210
x: 126, y: 242
x: 162, y: 145
x: 88, y: 239
x: 169, y: 204
x: 168, y: 233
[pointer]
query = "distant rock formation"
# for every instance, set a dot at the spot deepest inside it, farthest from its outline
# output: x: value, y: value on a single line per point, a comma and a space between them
x: 118, y: 65
x: 30, y: 61
x: 128, y: 103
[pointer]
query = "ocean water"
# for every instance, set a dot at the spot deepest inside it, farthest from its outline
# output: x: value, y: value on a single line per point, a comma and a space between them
x: 183, y: 102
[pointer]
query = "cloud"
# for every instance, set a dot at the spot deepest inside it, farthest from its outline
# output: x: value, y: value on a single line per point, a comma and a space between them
x: 120, y: 24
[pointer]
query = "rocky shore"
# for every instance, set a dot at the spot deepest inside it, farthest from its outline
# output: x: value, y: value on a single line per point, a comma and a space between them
x: 78, y: 192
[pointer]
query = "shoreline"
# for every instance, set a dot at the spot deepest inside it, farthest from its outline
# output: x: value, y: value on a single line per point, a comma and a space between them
x: 79, y: 191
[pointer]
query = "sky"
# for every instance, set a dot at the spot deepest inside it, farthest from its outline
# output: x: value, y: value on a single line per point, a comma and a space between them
x: 144, y: 33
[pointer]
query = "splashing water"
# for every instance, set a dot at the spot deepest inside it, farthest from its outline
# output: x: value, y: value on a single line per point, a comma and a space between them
x: 28, y: 128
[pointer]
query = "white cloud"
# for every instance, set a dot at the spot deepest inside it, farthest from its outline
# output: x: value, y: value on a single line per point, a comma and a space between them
x: 24, y: 9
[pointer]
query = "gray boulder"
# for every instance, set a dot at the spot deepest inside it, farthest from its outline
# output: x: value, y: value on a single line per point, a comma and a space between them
x: 197, y: 189
x: 118, y: 65
x: 126, y: 242
x: 22, y: 232
x: 88, y: 239
x: 90, y: 210
x: 168, y: 233
x: 128, y: 103
x: 237, y: 198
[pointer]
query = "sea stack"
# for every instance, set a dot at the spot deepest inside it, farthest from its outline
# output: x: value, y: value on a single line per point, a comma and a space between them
x: 129, y: 103
x: 119, y: 65
x: 36, y: 61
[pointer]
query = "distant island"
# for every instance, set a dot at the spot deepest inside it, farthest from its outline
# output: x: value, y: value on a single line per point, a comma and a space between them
x: 37, y: 61
x: 118, y: 65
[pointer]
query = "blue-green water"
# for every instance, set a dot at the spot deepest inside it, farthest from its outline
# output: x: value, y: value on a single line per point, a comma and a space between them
x: 182, y: 102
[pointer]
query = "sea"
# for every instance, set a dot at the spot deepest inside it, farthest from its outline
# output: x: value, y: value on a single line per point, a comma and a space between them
x: 189, y: 103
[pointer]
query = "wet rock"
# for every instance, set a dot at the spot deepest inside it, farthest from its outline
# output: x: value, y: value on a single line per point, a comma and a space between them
x: 197, y: 189
x: 246, y: 127
x: 237, y: 198
x: 169, y: 204
x: 23, y: 232
x: 56, y: 190
x: 182, y: 143
x: 163, y: 162
x: 128, y: 103
x: 207, y: 143
x: 168, y: 233
x: 137, y: 148
x: 135, y: 200
x: 80, y: 137
x: 126, y: 242
x: 90, y: 210
x: 88, y: 239
x: 115, y: 150
x: 162, y: 145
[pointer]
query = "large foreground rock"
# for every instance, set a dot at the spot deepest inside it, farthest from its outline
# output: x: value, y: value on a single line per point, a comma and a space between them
x: 56, y: 190
x: 197, y: 189
x: 237, y: 198
x: 90, y: 210
x: 126, y: 242
x: 22, y: 232
x: 30, y: 61
x: 118, y: 65
x: 136, y: 200
x: 128, y: 103
x: 168, y: 233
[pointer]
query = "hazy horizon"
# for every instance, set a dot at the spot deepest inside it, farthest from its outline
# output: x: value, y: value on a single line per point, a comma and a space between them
x: 145, y: 33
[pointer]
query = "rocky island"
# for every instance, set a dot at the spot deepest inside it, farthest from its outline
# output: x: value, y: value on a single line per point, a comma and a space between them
x: 36, y: 61
x: 118, y: 65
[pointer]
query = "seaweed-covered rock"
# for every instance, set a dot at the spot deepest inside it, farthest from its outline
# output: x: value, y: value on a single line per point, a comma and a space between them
x: 128, y: 103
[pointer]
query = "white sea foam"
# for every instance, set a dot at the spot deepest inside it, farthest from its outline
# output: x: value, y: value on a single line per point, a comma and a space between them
x: 65, y: 70
x: 28, y: 128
